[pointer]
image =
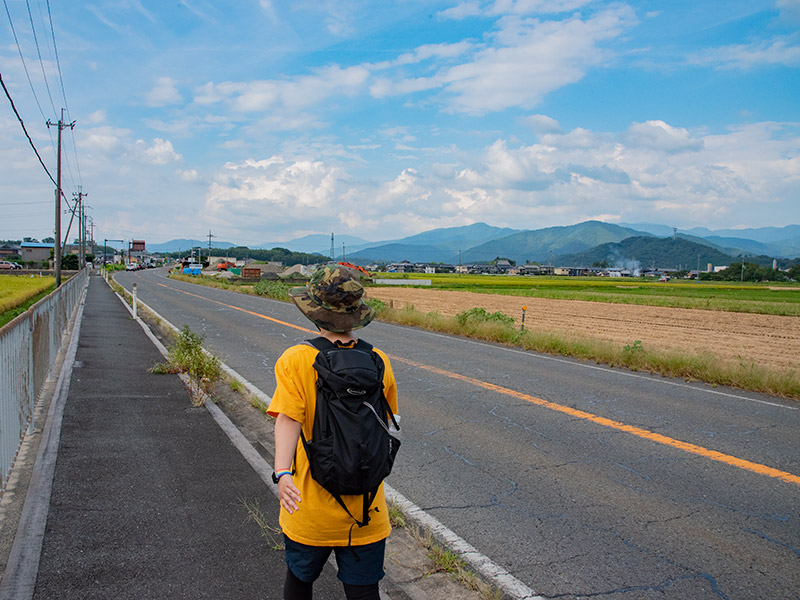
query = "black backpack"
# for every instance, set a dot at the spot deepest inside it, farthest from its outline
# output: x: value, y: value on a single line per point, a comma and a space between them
x: 351, y: 450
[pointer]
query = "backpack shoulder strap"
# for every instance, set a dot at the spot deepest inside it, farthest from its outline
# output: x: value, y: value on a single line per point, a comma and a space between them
x: 320, y: 343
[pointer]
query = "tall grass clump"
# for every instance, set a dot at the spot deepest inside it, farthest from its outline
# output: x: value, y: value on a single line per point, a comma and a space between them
x: 186, y: 357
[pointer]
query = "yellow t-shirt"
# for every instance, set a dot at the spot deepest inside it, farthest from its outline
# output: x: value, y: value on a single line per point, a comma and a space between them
x: 320, y: 521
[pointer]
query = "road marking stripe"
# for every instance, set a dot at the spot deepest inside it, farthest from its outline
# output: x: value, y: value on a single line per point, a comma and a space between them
x: 244, y: 310
x: 637, y: 431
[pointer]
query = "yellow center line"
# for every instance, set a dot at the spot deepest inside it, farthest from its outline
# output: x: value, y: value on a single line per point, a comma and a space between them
x: 244, y: 310
x: 573, y: 412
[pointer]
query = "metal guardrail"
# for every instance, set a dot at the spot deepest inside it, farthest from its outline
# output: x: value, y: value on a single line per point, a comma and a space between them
x: 28, y: 348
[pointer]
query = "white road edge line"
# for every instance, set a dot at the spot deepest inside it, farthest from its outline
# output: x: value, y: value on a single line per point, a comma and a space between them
x: 512, y: 586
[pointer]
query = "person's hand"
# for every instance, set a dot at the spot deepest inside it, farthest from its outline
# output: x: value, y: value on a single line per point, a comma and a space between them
x: 289, y: 494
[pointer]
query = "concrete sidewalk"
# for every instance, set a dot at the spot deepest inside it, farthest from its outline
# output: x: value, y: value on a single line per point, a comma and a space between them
x: 148, y: 493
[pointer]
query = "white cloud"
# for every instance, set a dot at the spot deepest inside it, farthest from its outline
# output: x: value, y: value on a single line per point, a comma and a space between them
x: 527, y: 59
x: 292, y: 95
x: 160, y: 152
x: 275, y: 193
x: 780, y: 51
x: 462, y: 10
x: 525, y: 7
x: 473, y: 8
x: 657, y: 135
x: 789, y: 11
x: 163, y: 93
x: 104, y: 140
x: 96, y: 117
x: 543, y: 124
x: 188, y: 175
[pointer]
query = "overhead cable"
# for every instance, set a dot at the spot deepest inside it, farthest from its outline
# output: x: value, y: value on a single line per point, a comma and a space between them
x: 63, y: 92
x: 39, y: 53
x: 24, y: 64
x: 22, y: 124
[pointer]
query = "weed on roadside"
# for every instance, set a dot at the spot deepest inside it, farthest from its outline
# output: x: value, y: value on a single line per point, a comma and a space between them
x: 396, y: 516
x: 258, y: 404
x: 272, y: 534
x: 186, y: 357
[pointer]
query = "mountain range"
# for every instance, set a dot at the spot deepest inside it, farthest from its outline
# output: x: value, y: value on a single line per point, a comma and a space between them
x: 574, y: 245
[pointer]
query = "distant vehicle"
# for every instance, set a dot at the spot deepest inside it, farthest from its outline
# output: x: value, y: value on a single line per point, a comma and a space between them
x: 7, y: 264
x: 131, y: 267
x: 664, y: 278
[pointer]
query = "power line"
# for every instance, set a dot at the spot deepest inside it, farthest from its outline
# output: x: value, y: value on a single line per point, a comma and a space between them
x: 24, y: 64
x: 39, y: 53
x: 22, y: 123
x: 58, y: 62
x: 64, y: 96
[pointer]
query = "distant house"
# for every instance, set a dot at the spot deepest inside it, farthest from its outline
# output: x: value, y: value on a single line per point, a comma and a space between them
x: 619, y: 272
x: 35, y: 251
x: 9, y: 250
x: 502, y: 265
x: 527, y: 270
x: 401, y: 267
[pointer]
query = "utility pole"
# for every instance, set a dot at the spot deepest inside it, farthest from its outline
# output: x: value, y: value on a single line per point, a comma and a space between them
x: 333, y: 258
x: 57, y: 250
x: 209, y: 246
x: 81, y: 228
x: 91, y: 235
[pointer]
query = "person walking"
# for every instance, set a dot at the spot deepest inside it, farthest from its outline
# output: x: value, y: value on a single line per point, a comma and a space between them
x: 314, y: 524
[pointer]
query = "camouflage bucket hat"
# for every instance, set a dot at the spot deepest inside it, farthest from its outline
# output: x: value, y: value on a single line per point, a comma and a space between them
x: 332, y: 300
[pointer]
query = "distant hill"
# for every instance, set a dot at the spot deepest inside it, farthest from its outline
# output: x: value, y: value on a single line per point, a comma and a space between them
x: 480, y: 242
x: 180, y: 245
x: 436, y: 245
x: 400, y: 252
x: 320, y: 243
x: 780, y: 242
x: 538, y: 245
x: 649, y: 252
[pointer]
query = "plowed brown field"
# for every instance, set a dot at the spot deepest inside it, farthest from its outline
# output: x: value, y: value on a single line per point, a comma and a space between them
x: 765, y: 339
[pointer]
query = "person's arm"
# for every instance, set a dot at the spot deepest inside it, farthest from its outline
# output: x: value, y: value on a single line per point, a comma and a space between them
x: 287, y: 432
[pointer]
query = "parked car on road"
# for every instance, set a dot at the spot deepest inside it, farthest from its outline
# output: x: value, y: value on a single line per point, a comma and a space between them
x: 7, y: 264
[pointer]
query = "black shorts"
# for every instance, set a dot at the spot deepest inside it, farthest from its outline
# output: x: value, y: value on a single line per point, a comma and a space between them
x: 358, y: 565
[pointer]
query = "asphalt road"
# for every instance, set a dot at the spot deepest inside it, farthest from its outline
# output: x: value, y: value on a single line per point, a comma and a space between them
x: 579, y: 480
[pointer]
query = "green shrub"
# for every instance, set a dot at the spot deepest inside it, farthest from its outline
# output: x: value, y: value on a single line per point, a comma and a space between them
x: 272, y: 289
x: 474, y: 316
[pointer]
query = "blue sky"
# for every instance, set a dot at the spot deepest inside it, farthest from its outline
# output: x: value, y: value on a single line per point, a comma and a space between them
x: 265, y: 121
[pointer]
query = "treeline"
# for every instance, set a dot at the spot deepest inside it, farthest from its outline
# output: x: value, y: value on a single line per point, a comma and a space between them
x: 753, y: 272
x: 282, y: 255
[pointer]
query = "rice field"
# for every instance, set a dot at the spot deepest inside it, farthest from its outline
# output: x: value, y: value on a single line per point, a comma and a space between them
x: 768, y: 298
x: 15, y: 290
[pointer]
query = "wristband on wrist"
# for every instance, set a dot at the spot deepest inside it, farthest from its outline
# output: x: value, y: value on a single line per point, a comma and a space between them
x: 276, y: 475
